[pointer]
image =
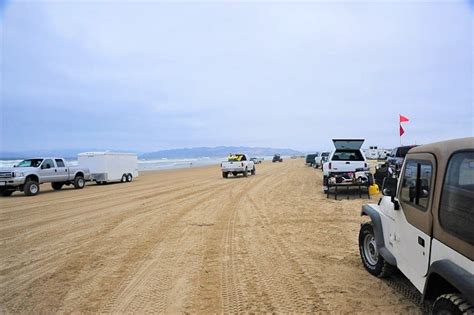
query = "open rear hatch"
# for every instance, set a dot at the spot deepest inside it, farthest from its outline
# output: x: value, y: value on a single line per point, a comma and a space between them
x: 348, y: 144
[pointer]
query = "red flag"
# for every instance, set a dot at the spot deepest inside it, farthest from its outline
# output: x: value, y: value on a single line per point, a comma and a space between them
x: 403, y: 118
x: 401, y: 131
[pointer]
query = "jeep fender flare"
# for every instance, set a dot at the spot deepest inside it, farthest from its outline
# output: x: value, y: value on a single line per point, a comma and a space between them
x: 446, y: 271
x: 378, y: 230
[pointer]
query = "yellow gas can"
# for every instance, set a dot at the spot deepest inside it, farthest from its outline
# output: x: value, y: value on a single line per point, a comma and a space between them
x: 373, y: 189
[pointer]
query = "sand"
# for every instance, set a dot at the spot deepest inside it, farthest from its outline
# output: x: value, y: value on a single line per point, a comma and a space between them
x: 189, y: 241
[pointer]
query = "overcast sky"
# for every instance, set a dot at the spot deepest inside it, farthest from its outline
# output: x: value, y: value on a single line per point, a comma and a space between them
x: 156, y: 75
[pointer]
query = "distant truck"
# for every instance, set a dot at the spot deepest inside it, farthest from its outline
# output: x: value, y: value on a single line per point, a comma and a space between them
x: 320, y: 159
x: 277, y: 158
x: 29, y: 174
x: 396, y: 157
x: 257, y: 160
x: 424, y: 225
x: 108, y: 167
x: 309, y: 160
x: 237, y: 164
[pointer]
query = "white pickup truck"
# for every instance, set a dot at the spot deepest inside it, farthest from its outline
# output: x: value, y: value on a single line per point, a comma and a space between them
x: 237, y: 164
x: 345, y: 161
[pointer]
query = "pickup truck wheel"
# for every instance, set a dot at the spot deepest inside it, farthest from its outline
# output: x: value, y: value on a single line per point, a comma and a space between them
x: 234, y: 173
x: 79, y: 182
x: 225, y: 174
x: 124, y: 178
x: 452, y: 304
x: 245, y: 172
x: 7, y: 193
x: 253, y: 171
x: 371, y: 258
x: 31, y: 188
x: 129, y: 177
x: 57, y: 186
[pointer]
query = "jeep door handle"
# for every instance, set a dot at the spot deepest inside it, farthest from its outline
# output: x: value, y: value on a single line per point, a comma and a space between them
x: 421, y: 241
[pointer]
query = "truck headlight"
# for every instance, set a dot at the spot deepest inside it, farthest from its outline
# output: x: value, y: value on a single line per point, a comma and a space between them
x: 19, y: 174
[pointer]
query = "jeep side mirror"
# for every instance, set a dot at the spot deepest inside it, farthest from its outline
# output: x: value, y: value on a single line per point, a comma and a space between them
x: 389, y: 186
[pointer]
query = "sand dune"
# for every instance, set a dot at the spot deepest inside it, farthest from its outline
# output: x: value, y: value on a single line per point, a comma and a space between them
x: 189, y: 241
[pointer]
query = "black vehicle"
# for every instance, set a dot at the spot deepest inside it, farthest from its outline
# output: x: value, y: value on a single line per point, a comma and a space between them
x: 309, y: 161
x: 396, y: 157
x: 277, y: 158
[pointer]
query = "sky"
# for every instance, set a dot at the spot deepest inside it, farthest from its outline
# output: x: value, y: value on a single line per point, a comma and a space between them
x: 152, y: 75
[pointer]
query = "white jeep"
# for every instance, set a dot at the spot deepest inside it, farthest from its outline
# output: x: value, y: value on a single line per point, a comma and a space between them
x: 424, y: 225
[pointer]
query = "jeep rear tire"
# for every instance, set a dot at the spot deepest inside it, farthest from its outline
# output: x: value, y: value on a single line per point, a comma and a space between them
x: 371, y: 258
x: 79, y: 182
x: 57, y: 186
x: 31, y: 188
x: 225, y: 174
x: 452, y: 304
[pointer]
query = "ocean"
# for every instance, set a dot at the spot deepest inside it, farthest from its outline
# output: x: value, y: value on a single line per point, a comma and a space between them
x: 151, y: 164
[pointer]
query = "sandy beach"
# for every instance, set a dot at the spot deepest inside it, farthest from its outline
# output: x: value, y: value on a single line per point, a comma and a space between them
x: 190, y: 241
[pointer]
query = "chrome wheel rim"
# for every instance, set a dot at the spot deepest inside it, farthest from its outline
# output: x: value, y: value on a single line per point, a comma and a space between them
x: 34, y: 188
x: 370, y: 249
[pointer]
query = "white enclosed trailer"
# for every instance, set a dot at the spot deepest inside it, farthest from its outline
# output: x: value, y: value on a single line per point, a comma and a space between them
x: 110, y: 166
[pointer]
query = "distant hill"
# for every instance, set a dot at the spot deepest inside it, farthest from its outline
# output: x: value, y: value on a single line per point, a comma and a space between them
x: 216, y: 152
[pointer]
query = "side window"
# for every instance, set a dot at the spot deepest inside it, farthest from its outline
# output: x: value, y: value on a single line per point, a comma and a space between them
x: 59, y: 163
x: 416, y: 184
x: 47, y: 162
x: 456, y: 210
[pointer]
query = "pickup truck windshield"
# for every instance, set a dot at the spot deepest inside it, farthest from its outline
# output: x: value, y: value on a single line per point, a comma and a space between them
x: 30, y: 163
x: 347, y: 155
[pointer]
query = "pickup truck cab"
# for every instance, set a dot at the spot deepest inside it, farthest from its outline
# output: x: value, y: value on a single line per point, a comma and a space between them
x: 27, y: 176
x: 424, y: 225
x: 237, y: 164
x: 346, y: 159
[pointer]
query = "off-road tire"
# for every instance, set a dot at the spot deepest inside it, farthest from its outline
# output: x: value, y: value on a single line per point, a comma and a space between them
x: 246, y: 173
x: 253, y: 171
x: 453, y: 304
x: 7, y: 193
x: 29, y: 188
x: 225, y: 174
x: 79, y: 182
x: 124, y: 178
x: 379, y: 268
x: 129, y: 178
x: 57, y: 186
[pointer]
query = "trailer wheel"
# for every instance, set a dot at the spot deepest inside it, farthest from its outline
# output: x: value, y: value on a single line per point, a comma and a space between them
x: 31, y: 188
x: 124, y: 178
x: 79, y: 182
x: 225, y: 174
x: 57, y: 186
x: 129, y: 177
